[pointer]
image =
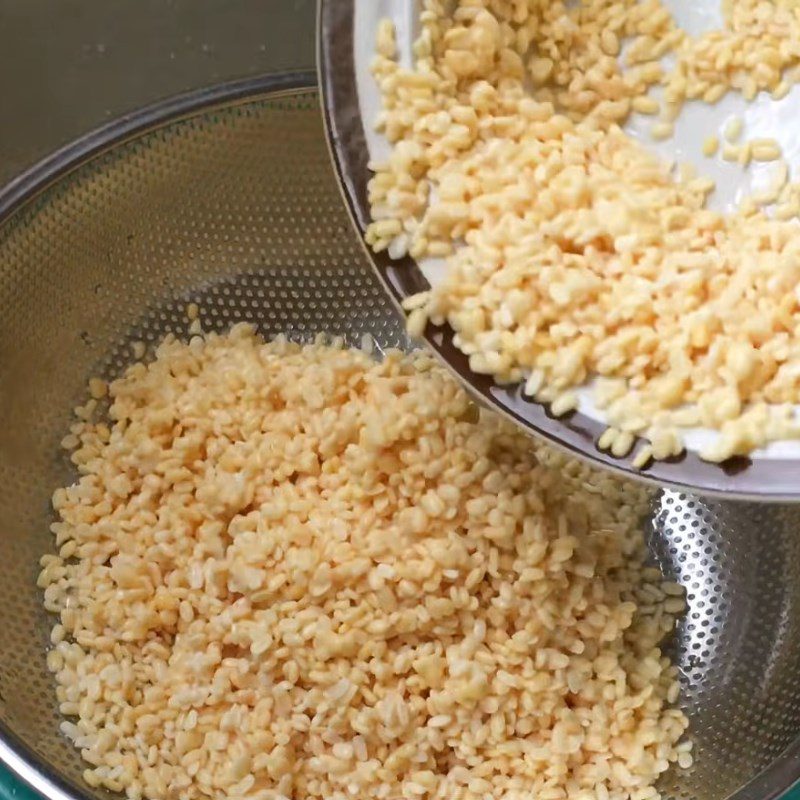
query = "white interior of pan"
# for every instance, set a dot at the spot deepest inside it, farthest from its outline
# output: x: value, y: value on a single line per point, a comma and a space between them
x: 763, y: 117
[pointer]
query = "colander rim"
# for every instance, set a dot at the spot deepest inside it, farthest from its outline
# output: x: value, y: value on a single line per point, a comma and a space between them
x: 15, y: 754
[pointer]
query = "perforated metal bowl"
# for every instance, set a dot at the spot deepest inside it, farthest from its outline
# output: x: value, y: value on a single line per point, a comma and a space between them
x: 227, y: 198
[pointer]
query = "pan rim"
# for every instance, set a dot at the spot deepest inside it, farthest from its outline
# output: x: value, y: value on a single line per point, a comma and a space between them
x: 759, y: 480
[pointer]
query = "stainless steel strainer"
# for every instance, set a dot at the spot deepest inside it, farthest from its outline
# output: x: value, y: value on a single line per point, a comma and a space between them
x: 227, y: 198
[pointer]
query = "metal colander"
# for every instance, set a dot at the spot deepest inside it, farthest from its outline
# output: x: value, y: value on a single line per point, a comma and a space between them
x: 227, y: 198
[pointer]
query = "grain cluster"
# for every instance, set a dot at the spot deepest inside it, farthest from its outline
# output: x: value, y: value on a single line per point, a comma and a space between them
x: 290, y: 572
x: 572, y: 252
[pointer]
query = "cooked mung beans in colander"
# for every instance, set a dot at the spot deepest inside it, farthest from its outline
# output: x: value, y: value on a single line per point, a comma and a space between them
x: 298, y: 572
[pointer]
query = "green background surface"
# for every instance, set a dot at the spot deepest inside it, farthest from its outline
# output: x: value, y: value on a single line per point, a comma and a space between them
x: 12, y: 789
